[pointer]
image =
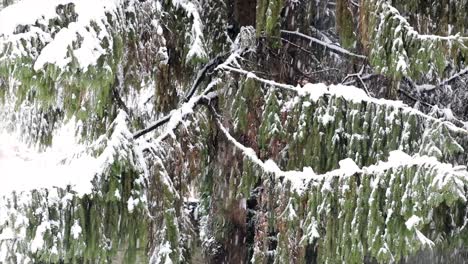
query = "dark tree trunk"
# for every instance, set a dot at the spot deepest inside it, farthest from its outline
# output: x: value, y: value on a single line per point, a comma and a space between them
x: 244, y: 12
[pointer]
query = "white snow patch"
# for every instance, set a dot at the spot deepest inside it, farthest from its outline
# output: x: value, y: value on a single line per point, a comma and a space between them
x: 349, y: 93
x: 401, y: 64
x: 349, y: 167
x: 38, y: 241
x: 423, y: 239
x: 250, y: 75
x: 7, y: 234
x: 117, y: 194
x: 327, y: 118
x: 76, y: 230
x: 412, y: 222
x: 398, y: 157
x: 314, y: 91
x: 132, y: 203
x: 448, y: 114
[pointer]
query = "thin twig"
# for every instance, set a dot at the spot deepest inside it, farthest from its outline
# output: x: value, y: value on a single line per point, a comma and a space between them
x: 324, y: 70
x: 365, y: 77
x: 255, y: 77
x: 358, y: 76
x: 363, y: 85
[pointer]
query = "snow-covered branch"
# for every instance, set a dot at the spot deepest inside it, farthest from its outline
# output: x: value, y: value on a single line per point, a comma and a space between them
x: 455, y: 76
x: 262, y: 80
x: 397, y: 49
x: 175, y: 117
x: 298, y: 178
x: 57, y: 47
x: 333, y: 47
x: 445, y: 177
x: 315, y: 91
x: 152, y: 127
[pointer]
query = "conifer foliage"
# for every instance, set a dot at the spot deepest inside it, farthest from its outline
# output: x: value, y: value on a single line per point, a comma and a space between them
x: 189, y: 131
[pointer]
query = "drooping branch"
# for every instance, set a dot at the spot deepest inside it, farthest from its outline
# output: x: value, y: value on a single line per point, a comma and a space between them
x: 299, y: 177
x: 398, y: 159
x: 396, y: 49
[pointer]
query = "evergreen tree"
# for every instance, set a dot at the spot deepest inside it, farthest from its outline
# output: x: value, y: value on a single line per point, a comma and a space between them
x: 215, y: 132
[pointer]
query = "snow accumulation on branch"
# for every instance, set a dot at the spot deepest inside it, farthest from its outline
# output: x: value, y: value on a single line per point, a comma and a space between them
x: 446, y: 174
x: 86, y: 25
x: 350, y: 93
x: 448, y: 177
x: 298, y: 178
x: 455, y: 76
x: 389, y: 10
x: 333, y: 47
x: 397, y: 49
